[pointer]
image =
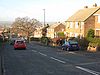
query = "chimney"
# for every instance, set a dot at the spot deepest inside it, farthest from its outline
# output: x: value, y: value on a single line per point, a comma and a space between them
x: 95, y: 5
x: 85, y: 6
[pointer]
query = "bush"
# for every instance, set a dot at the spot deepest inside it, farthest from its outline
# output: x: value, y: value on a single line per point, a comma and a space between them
x: 61, y: 34
x: 1, y: 39
x: 45, y: 40
x: 94, y: 41
x: 90, y: 33
x: 82, y: 42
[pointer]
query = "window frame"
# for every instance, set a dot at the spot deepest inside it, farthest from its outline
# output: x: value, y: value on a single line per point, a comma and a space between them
x: 98, y: 18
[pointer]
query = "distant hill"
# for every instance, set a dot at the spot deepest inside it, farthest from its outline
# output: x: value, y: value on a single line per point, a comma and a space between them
x: 5, y: 23
x: 50, y: 23
x: 9, y: 23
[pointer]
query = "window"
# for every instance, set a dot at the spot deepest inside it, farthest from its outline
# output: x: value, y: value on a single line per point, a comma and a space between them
x: 76, y: 35
x: 68, y: 25
x: 71, y: 34
x: 82, y: 25
x: 76, y: 24
x: 98, y: 19
x: 71, y: 24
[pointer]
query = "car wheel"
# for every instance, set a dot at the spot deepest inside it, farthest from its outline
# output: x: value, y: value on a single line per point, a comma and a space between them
x: 62, y: 48
x: 67, y: 49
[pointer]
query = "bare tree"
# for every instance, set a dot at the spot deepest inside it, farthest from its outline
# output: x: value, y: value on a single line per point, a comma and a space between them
x: 25, y: 25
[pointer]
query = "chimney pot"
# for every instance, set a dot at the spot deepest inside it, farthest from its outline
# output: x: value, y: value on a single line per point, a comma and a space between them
x: 85, y: 6
x: 95, y: 5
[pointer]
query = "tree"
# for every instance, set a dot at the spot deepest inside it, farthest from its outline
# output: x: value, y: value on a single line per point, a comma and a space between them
x: 90, y: 33
x: 44, y: 30
x: 26, y: 26
x: 61, y: 34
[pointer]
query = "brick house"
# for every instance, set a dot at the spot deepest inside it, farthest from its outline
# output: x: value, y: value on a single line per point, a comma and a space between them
x: 83, y: 20
x: 54, y: 29
x: 97, y: 23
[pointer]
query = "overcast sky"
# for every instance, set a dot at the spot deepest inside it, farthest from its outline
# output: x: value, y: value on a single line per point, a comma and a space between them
x: 56, y: 10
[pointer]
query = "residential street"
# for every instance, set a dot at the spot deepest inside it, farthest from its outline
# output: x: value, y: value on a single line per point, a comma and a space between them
x: 43, y: 60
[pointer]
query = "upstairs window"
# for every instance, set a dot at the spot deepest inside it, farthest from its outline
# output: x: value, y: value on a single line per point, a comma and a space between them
x: 68, y: 25
x: 71, y: 24
x: 82, y: 25
x: 99, y: 19
x: 76, y: 25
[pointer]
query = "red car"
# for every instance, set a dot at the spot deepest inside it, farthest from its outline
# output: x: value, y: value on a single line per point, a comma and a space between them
x: 19, y: 44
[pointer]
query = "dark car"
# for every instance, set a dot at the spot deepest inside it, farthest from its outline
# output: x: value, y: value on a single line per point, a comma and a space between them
x: 20, y: 44
x: 70, y: 45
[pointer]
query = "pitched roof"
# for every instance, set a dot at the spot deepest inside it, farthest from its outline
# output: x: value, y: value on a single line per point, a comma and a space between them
x: 83, y: 14
x: 98, y: 12
x: 54, y: 25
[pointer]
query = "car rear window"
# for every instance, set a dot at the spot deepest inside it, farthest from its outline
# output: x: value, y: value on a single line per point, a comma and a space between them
x: 73, y: 42
x: 20, y: 42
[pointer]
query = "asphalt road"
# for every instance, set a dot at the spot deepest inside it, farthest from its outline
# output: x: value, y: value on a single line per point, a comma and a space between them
x: 42, y: 60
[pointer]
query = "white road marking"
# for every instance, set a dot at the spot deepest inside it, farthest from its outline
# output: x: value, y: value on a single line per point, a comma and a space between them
x: 89, y: 63
x: 3, y: 66
x: 42, y: 54
x: 34, y: 51
x: 72, y: 52
x: 58, y: 60
x: 88, y: 70
x: 78, y: 67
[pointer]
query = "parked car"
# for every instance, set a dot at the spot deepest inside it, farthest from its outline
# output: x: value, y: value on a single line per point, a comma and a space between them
x: 12, y: 41
x: 19, y: 44
x: 70, y: 45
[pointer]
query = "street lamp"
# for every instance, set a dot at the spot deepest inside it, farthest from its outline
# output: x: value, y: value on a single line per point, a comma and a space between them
x: 10, y: 35
x: 44, y: 16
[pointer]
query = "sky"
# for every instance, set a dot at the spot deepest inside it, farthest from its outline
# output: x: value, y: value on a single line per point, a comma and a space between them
x: 55, y: 10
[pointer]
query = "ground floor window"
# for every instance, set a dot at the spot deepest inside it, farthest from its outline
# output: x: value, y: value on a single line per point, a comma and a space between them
x: 97, y: 33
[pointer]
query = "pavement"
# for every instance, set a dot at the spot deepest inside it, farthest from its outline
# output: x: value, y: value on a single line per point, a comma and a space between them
x: 0, y: 61
x: 86, y: 53
x: 0, y: 67
x: 1, y: 56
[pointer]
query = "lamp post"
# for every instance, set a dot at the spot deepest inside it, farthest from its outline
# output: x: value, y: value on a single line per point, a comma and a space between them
x: 10, y: 36
x: 44, y: 17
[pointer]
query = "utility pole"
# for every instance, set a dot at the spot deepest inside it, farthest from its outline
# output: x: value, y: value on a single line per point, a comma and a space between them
x: 44, y: 17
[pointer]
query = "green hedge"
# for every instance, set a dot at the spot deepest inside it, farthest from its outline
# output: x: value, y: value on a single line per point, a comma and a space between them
x: 45, y: 40
x: 94, y: 41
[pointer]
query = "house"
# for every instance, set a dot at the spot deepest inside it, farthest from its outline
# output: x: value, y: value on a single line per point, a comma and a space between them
x: 83, y: 20
x: 38, y: 33
x: 54, y: 29
x: 1, y: 30
x: 97, y: 23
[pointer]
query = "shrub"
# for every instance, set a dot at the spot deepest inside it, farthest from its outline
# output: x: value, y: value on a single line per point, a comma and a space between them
x: 95, y: 41
x: 82, y: 42
x: 45, y: 40
x: 61, y: 34
x: 1, y: 40
x: 90, y: 33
